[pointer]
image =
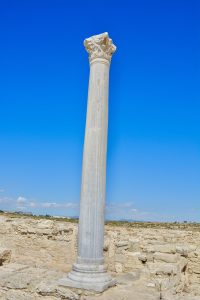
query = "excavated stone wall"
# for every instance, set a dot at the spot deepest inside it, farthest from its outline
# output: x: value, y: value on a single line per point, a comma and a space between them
x: 165, y: 260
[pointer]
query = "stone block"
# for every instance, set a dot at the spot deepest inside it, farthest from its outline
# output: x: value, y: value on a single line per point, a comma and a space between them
x: 124, y: 244
x: 165, y: 257
x: 182, y: 263
x: 118, y: 267
x: 120, y: 258
x: 183, y: 250
x: 128, y: 277
x: 165, y: 248
x: 142, y: 258
x: 162, y: 269
x: 196, y: 268
x: 134, y: 244
x: 5, y: 256
x: 106, y: 244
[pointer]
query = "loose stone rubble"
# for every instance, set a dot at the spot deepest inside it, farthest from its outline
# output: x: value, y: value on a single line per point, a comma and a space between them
x: 148, y: 263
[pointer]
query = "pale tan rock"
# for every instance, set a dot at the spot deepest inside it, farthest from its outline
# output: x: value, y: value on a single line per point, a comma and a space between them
x: 165, y: 248
x: 182, y: 263
x: 18, y: 295
x: 5, y: 256
x: 142, y: 257
x: 184, y: 250
x: 66, y: 293
x: 128, y: 277
x: 118, y: 267
x: 122, y: 244
x: 134, y: 244
x: 165, y: 257
x: 120, y: 258
x: 163, y: 269
x: 106, y: 244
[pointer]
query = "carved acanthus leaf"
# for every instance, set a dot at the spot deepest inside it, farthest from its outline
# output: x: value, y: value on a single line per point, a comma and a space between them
x: 100, y: 46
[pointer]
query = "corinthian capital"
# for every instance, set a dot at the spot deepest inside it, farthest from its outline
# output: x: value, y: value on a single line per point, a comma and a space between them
x: 99, y: 46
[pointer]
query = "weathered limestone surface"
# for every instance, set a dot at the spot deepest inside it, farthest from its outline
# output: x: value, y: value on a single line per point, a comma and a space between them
x: 36, y: 253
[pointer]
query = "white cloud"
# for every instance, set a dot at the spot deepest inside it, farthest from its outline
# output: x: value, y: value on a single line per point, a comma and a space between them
x: 49, y: 204
x: 70, y: 205
x: 32, y: 204
x: 58, y: 205
x: 21, y: 200
x: 23, y: 203
x: 124, y: 210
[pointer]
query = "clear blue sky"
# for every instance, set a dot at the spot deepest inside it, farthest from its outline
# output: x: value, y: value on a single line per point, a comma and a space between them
x: 153, y: 166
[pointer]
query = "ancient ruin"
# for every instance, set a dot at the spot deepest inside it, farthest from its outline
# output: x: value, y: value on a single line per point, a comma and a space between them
x: 148, y: 260
x: 89, y: 271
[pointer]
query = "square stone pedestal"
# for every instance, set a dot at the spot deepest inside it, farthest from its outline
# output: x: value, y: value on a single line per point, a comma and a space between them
x: 93, y: 281
x: 96, y: 287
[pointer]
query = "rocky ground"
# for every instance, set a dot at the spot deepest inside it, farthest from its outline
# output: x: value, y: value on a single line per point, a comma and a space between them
x: 149, y: 262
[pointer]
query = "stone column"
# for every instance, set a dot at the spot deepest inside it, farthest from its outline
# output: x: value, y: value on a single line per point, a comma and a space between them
x: 89, y: 271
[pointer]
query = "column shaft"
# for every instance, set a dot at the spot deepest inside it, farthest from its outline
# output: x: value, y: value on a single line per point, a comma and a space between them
x: 91, y: 223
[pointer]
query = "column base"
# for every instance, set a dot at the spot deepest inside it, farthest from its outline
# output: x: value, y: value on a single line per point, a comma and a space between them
x: 93, y: 278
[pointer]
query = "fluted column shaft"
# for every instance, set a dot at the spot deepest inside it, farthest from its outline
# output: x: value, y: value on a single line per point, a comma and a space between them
x: 91, y: 223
